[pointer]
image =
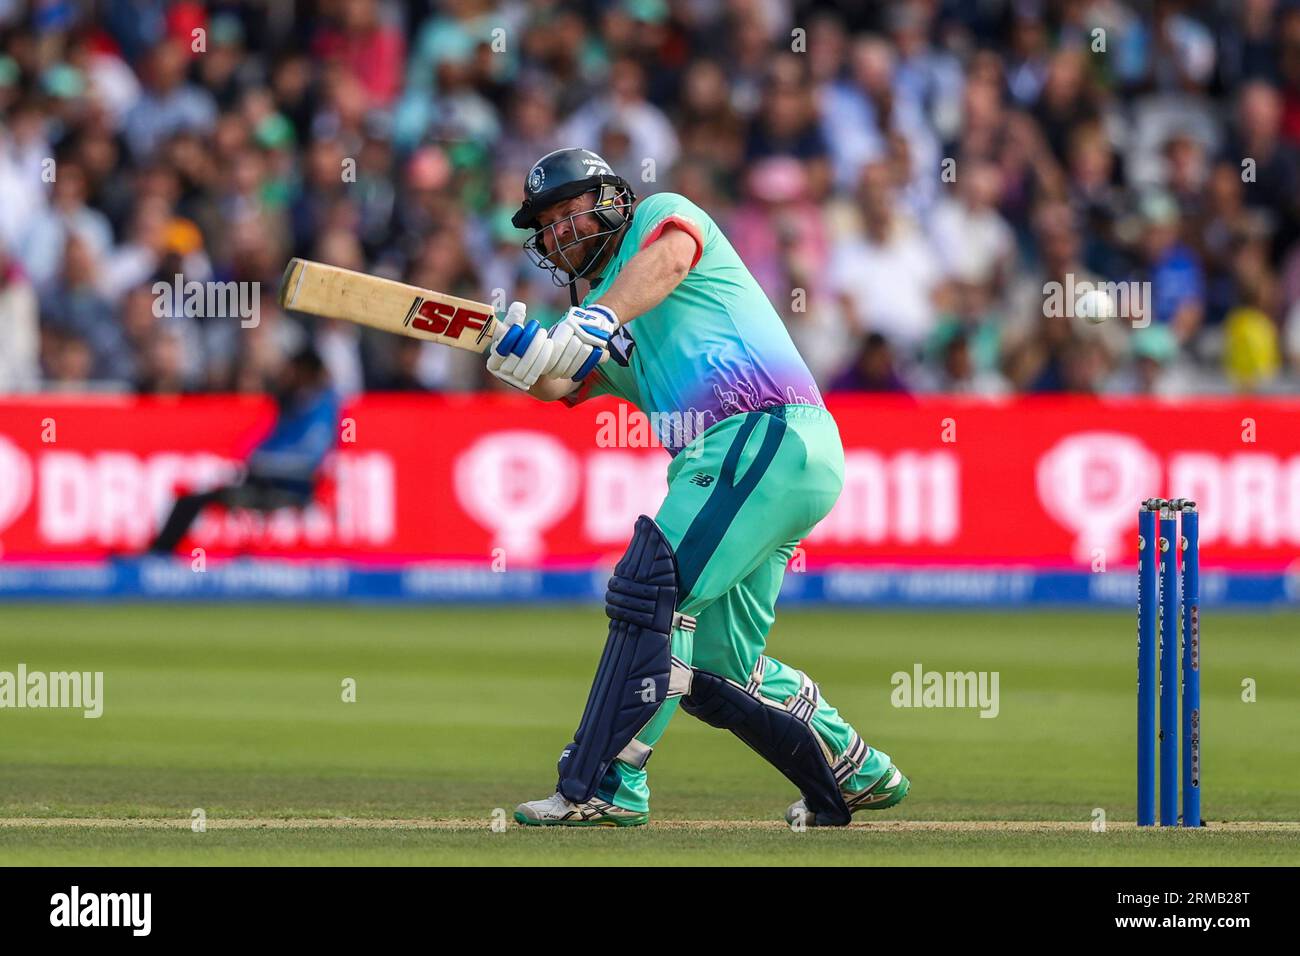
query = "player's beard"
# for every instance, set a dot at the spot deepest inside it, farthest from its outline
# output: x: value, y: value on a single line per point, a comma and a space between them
x: 599, y: 245
x: 595, y: 256
x: 564, y: 257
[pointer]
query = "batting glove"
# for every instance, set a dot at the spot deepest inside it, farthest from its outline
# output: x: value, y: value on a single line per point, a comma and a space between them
x: 521, y: 350
x: 581, y: 339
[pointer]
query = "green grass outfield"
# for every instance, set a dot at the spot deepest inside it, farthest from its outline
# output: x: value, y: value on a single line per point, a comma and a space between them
x: 237, y: 711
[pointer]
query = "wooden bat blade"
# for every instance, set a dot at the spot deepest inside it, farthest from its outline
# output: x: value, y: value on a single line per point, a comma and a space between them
x: 331, y: 292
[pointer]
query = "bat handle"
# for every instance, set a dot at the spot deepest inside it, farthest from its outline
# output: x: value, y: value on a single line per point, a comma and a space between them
x: 515, y: 332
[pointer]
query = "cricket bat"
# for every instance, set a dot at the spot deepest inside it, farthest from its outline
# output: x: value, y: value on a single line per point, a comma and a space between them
x: 334, y: 293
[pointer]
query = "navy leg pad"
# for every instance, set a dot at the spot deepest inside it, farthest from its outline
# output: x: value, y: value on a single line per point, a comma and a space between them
x: 633, y: 676
x: 776, y: 735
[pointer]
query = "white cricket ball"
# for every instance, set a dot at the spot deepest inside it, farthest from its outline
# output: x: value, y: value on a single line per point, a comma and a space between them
x: 1095, y: 305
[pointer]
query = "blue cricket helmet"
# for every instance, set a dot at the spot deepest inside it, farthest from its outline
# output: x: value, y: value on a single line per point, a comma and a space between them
x: 564, y: 174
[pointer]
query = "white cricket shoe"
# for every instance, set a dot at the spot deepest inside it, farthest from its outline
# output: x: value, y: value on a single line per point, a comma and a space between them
x: 557, y: 811
x: 889, y: 789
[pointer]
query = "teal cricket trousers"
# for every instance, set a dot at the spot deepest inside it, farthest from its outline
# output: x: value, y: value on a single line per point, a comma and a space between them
x: 740, y: 498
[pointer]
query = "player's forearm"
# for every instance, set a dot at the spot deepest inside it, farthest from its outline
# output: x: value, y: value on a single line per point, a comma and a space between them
x: 552, y: 389
x: 650, y: 275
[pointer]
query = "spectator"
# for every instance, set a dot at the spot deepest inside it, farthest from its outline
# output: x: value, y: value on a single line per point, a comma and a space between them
x: 861, y: 112
x: 67, y: 214
x: 1248, y: 47
x: 1045, y: 347
x: 25, y: 153
x: 1287, y: 62
x: 1098, y: 201
x: 974, y: 243
x: 1152, y: 368
x: 1252, y: 353
x: 1181, y: 51
x: 1066, y: 101
x: 1030, y: 50
x: 136, y: 260
x: 786, y: 125
x: 973, y: 319
x: 74, y: 305
x: 68, y: 361
x: 780, y: 233
x: 1291, y: 338
x: 650, y: 135
x: 872, y: 370
x: 339, y: 343
x: 708, y: 123
x: 169, y: 104
x: 1270, y: 165
x: 778, y: 229
x: 368, y: 46
x: 958, y: 373
x: 1186, y: 174
x: 443, y: 264
x: 532, y: 123
x: 19, y: 330
x: 408, y: 355
x: 323, y: 190
x: 887, y: 278
x: 1225, y: 223
x: 925, y: 75
x: 281, y: 471
x: 162, y: 371
x: 1177, y: 280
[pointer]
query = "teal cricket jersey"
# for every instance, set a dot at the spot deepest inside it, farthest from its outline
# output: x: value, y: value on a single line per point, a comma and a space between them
x: 714, y: 347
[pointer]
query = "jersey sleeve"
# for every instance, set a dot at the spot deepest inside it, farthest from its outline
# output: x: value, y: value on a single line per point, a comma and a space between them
x: 669, y: 211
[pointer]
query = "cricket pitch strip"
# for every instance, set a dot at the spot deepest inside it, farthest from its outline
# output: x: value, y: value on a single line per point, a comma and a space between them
x: 883, y: 826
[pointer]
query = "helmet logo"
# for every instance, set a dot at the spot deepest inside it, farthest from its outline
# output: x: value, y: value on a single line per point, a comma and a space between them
x: 536, y: 178
x: 595, y: 165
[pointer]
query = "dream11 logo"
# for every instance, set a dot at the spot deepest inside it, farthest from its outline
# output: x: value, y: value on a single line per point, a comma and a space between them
x: 517, y: 484
x: 1091, y: 483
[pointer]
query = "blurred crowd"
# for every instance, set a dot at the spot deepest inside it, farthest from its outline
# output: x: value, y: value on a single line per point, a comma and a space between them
x: 905, y: 179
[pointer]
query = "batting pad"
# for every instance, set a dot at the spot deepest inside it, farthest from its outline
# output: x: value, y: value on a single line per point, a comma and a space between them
x: 636, y: 671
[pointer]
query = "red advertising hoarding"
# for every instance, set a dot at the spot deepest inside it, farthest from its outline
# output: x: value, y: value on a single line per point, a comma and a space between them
x: 1034, y: 481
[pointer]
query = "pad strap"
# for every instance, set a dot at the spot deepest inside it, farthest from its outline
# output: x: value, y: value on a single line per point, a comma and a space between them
x: 804, y: 704
x: 636, y: 753
x: 851, y: 761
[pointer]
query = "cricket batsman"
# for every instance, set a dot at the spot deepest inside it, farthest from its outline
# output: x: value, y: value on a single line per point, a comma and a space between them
x: 675, y: 324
